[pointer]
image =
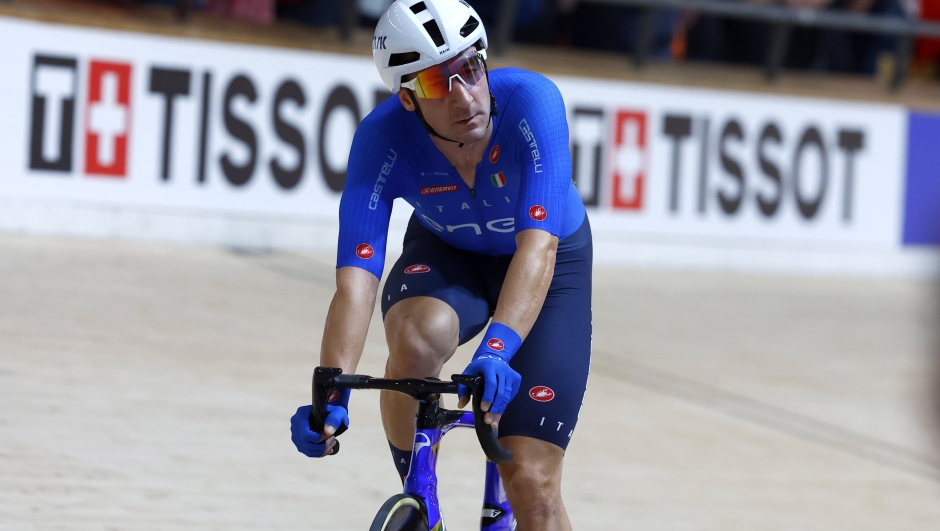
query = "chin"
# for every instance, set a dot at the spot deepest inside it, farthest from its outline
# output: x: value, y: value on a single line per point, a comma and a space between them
x: 474, y: 131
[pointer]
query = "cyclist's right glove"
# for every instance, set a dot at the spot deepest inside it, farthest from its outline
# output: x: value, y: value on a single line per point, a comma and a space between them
x: 307, y: 441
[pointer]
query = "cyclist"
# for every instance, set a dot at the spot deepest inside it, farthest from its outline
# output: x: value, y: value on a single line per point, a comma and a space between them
x: 498, y: 231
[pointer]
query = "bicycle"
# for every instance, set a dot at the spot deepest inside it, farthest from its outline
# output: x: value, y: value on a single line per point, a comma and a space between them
x: 416, y: 508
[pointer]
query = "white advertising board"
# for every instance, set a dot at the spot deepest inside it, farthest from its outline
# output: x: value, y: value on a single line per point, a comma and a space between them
x: 126, y: 119
x: 662, y: 161
x: 119, y: 134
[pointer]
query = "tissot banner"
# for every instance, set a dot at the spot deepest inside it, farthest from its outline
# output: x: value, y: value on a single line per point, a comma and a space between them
x: 664, y: 160
x: 119, y: 118
x: 110, y: 118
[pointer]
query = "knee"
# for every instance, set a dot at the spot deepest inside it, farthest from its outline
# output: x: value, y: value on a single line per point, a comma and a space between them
x: 535, y: 487
x: 421, y: 337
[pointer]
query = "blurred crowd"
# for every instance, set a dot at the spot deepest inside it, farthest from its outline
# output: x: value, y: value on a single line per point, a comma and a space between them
x: 678, y: 35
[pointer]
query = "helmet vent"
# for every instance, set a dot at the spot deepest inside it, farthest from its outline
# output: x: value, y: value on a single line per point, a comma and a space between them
x: 399, y: 59
x: 419, y: 7
x: 468, y: 26
x: 435, y: 32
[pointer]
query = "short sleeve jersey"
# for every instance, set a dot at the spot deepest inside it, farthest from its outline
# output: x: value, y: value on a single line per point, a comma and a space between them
x: 523, y: 181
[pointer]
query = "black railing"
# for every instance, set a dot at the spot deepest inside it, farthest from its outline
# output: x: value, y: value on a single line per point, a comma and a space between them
x: 782, y: 19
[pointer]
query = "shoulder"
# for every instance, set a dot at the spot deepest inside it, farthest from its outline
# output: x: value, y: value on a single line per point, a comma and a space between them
x: 378, y: 140
x: 524, y: 85
x: 387, y: 117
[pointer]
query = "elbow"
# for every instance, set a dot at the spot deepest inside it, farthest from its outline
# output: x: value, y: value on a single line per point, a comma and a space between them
x: 541, y: 245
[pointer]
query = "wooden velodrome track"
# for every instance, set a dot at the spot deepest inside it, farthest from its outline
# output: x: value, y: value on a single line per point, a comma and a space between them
x: 149, y: 387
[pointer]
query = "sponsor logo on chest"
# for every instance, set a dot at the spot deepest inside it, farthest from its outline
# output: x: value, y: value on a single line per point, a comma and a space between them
x: 429, y: 190
x: 494, y: 154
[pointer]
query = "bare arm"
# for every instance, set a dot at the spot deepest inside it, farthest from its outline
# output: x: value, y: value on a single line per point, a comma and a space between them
x: 524, y: 289
x: 527, y: 280
x: 347, y: 322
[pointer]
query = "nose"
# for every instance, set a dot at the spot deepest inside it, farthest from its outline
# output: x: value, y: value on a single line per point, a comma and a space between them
x: 459, y: 94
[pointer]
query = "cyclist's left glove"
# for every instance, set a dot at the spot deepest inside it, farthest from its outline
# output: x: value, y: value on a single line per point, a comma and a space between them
x: 307, y: 441
x: 491, y: 360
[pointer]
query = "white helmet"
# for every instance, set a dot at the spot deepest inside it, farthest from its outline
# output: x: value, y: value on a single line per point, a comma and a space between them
x: 416, y: 34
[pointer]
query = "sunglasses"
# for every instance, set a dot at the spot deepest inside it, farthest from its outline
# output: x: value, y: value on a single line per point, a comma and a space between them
x: 437, y: 81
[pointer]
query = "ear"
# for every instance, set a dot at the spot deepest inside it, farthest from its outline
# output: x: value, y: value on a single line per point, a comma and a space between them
x: 406, y: 102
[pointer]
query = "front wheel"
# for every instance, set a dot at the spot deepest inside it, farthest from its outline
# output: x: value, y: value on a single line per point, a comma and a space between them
x: 401, y: 512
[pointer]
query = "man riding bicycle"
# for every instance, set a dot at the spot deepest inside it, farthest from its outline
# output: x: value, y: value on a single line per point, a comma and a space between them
x: 499, y: 231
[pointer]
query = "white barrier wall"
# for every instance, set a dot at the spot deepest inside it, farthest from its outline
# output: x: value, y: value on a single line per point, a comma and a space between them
x: 117, y: 134
x: 663, y: 160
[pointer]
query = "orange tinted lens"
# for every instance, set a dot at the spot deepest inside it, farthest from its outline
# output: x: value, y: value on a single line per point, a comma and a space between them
x: 431, y: 83
x: 435, y: 82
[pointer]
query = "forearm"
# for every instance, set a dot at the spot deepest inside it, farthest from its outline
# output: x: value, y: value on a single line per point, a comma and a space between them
x: 527, y: 281
x: 347, y: 322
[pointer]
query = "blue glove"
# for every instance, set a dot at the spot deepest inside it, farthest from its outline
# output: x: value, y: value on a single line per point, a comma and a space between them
x: 307, y: 441
x: 492, y: 361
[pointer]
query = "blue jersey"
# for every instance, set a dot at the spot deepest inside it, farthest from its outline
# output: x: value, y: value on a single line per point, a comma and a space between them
x: 523, y: 181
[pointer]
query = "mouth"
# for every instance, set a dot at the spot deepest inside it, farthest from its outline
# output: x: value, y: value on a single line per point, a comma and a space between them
x: 466, y: 121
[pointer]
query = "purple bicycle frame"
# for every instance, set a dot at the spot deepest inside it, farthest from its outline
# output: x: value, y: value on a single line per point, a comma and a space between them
x: 421, y: 481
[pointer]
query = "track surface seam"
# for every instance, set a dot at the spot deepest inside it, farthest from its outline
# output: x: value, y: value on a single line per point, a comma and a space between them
x: 766, y: 415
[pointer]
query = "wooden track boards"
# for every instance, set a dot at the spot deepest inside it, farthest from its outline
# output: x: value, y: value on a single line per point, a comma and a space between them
x: 149, y: 387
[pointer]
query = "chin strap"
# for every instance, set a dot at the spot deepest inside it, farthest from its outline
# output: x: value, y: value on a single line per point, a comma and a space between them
x: 427, y: 126
x: 494, y: 110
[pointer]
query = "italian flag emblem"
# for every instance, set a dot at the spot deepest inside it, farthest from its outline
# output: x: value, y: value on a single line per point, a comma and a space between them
x: 499, y: 180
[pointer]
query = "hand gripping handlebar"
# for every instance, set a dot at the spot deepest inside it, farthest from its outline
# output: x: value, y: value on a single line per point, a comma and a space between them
x: 486, y: 434
x: 327, y: 379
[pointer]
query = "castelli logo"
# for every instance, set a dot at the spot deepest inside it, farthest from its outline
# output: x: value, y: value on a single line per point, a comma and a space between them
x: 540, y: 393
x: 417, y: 268
x: 364, y: 251
x: 495, y: 344
x: 334, y: 396
x: 538, y: 213
x: 494, y: 154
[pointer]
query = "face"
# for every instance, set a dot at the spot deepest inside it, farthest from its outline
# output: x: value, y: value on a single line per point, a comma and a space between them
x: 462, y: 115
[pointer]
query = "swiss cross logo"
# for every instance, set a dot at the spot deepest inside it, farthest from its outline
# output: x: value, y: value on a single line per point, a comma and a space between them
x: 108, y: 117
x: 630, y: 160
x: 495, y: 344
x: 540, y: 393
x: 494, y: 154
x: 334, y: 396
x: 364, y: 251
x: 417, y: 268
x: 538, y: 213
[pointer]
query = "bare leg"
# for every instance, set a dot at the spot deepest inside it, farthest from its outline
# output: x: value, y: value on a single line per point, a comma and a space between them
x: 533, y: 484
x: 422, y: 334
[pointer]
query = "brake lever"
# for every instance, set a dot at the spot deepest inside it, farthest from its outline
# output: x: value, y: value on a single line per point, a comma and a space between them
x: 487, y: 434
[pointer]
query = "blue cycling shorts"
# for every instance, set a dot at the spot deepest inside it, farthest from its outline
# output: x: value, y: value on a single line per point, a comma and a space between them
x: 555, y: 357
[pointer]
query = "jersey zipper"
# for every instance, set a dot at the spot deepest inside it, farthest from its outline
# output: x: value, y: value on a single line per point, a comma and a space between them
x: 484, y: 231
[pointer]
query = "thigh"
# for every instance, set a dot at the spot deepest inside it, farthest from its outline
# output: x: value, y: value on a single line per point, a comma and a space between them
x: 555, y: 357
x: 428, y: 267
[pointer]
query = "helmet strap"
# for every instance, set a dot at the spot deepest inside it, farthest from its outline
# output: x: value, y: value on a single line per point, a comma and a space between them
x: 494, y: 109
x: 427, y: 126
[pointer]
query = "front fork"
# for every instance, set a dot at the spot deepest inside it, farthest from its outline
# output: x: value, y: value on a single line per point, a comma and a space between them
x: 497, y: 515
x: 422, y: 477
